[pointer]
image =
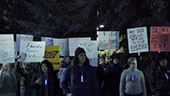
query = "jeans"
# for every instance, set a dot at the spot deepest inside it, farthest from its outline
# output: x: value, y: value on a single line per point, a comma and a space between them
x: 28, y: 92
x: 133, y: 95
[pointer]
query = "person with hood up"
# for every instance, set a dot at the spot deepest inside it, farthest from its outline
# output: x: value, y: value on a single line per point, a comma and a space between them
x: 80, y: 78
x: 160, y: 76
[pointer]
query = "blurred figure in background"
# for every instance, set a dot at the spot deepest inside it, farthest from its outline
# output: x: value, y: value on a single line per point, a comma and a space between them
x: 63, y: 67
x: 8, y: 85
x: 160, y: 76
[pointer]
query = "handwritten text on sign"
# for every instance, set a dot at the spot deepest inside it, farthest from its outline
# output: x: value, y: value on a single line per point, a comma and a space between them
x: 159, y: 39
x: 137, y: 39
x: 33, y: 51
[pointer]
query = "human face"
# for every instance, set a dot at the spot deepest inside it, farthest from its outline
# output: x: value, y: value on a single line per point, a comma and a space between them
x: 163, y: 63
x: 82, y: 58
x: 61, y: 63
x: 44, y: 68
x: 115, y: 61
x: 6, y: 67
x: 133, y: 64
x: 68, y: 60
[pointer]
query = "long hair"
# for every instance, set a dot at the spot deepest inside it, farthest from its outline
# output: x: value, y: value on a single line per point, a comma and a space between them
x: 49, y: 66
x: 76, y: 61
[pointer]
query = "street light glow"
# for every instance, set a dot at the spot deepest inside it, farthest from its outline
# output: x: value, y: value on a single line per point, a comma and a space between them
x: 101, y: 26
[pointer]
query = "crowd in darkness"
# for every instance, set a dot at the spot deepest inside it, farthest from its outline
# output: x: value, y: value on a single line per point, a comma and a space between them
x: 119, y: 75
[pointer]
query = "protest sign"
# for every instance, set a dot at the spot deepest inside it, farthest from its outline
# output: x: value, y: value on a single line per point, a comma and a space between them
x: 91, y: 51
x: 52, y: 54
x: 64, y: 49
x: 48, y: 40
x: 22, y: 37
x: 73, y: 44
x: 7, y: 48
x: 32, y: 51
x: 15, y: 49
x: 108, y: 39
x: 137, y: 40
x: 159, y: 38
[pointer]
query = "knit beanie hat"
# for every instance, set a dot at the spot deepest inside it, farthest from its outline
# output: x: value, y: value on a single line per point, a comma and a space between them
x: 79, y: 50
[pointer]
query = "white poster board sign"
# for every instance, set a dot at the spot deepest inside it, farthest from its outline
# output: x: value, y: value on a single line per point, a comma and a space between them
x: 48, y: 40
x: 32, y: 51
x: 108, y: 39
x: 15, y: 49
x: 91, y: 51
x: 137, y: 40
x: 63, y: 44
x: 7, y: 48
x: 22, y: 37
x: 73, y: 44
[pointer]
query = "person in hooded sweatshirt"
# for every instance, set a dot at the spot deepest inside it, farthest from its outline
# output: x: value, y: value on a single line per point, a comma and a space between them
x: 80, y: 78
x: 160, y: 76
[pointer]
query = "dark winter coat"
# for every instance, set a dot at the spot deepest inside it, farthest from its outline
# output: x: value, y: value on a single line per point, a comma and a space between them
x: 89, y: 86
x: 160, y: 80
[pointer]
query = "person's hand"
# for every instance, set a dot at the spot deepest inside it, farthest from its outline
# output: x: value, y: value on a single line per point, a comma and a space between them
x: 69, y: 94
x: 38, y: 81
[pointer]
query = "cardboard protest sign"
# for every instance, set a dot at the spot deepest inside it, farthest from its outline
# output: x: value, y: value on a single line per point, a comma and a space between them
x: 108, y: 39
x: 7, y: 48
x: 137, y: 40
x: 159, y: 38
x: 32, y: 51
x: 73, y: 44
x: 52, y: 54
x: 22, y: 37
x: 48, y: 40
x: 63, y: 43
x: 91, y: 51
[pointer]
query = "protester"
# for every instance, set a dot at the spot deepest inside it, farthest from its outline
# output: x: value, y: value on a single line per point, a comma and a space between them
x: 112, y: 78
x: 26, y: 72
x: 34, y: 78
x: 116, y: 71
x: 100, y: 71
x: 68, y: 60
x: 47, y: 80
x: 132, y: 81
x: 160, y: 76
x: 8, y: 85
x: 80, y: 79
x: 63, y: 67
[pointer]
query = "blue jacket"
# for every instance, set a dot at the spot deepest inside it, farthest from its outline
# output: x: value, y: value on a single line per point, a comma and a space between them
x: 89, y: 86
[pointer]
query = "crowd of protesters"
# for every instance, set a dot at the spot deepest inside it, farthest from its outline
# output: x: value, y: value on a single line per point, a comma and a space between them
x: 119, y: 76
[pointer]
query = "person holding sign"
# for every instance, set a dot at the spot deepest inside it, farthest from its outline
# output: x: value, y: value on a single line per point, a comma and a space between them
x: 80, y: 76
x: 132, y: 81
x: 160, y: 76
